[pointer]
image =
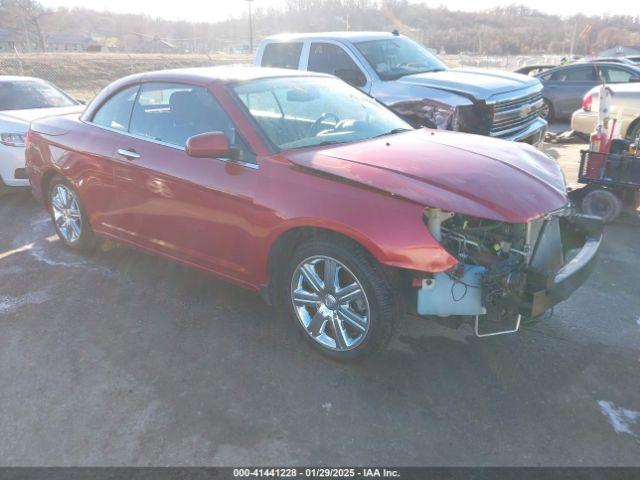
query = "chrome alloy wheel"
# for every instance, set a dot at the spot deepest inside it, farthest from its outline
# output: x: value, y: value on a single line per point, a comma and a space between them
x: 66, y: 213
x: 330, y: 303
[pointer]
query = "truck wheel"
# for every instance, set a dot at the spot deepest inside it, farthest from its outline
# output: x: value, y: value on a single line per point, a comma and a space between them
x: 69, y: 218
x: 634, y: 132
x: 340, y: 298
x: 602, y: 203
x: 546, y: 111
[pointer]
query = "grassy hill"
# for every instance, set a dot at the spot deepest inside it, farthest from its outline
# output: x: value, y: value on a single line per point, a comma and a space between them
x: 84, y: 74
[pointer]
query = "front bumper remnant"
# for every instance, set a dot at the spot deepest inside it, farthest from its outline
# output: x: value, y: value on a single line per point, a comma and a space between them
x: 564, y: 252
x: 542, y: 292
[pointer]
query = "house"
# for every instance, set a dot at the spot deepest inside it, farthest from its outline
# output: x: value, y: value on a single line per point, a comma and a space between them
x: 104, y: 44
x: 143, y: 43
x: 12, y: 40
x: 67, y: 42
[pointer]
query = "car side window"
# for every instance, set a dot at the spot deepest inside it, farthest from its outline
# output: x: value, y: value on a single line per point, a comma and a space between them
x: 116, y: 111
x: 575, y: 74
x: 332, y: 59
x: 282, y: 55
x: 614, y: 74
x: 262, y: 104
x: 171, y: 113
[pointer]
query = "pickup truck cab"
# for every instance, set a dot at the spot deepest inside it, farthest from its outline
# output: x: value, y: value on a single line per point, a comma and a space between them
x: 413, y: 82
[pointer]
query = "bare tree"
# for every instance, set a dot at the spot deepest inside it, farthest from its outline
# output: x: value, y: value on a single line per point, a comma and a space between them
x: 505, y: 30
x: 27, y: 14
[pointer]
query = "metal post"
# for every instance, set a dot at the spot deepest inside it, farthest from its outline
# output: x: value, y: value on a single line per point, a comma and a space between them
x: 250, y: 27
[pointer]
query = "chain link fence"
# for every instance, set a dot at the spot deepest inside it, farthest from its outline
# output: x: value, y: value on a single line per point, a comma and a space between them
x: 83, y: 75
x: 500, y: 62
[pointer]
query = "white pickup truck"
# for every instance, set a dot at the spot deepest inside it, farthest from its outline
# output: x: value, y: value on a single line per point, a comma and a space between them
x: 413, y: 82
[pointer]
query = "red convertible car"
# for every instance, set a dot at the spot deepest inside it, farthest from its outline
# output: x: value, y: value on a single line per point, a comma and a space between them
x: 304, y: 189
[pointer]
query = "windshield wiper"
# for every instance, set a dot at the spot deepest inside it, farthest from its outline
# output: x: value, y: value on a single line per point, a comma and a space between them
x: 393, y: 132
x: 328, y: 142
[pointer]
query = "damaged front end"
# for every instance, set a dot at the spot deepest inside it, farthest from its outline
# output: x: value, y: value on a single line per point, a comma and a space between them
x: 507, y: 271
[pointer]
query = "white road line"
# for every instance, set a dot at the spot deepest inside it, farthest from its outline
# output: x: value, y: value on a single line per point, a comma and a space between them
x: 23, y: 248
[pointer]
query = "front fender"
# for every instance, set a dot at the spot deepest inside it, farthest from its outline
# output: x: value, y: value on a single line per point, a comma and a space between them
x: 390, y: 228
x: 391, y: 93
x: 416, y: 104
x: 401, y: 242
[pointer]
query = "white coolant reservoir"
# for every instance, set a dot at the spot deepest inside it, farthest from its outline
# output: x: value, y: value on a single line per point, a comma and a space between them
x: 435, y: 217
x: 445, y: 295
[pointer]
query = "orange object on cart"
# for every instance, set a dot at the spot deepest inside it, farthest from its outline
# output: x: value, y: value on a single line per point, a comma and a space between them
x: 596, y: 158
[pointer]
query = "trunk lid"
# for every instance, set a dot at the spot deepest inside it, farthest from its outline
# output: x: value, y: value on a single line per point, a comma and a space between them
x: 25, y: 117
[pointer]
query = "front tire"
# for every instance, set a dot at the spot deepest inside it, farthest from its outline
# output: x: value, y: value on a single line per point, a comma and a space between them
x: 340, y: 298
x: 547, y: 112
x: 69, y: 218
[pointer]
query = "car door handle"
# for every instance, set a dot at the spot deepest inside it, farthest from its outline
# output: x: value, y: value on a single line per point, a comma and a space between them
x: 130, y: 154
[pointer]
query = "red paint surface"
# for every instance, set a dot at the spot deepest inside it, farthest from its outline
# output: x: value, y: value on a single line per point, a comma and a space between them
x: 224, y: 217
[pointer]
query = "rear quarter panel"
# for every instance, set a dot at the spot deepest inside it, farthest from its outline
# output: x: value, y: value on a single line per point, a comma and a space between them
x: 79, y: 152
x: 628, y: 105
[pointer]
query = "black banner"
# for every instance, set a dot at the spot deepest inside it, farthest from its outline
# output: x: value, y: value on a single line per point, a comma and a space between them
x: 405, y: 473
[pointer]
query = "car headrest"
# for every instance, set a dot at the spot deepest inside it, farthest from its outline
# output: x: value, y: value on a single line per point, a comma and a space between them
x: 184, y: 103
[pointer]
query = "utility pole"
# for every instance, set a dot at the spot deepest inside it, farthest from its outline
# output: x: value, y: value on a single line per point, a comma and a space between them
x: 250, y: 26
x: 573, y: 40
x: 27, y: 41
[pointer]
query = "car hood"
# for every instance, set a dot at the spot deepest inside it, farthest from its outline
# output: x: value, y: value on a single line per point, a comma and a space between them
x: 476, y: 83
x: 25, y: 117
x: 469, y: 174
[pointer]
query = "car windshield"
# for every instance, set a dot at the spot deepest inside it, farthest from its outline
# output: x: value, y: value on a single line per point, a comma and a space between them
x: 26, y: 94
x: 296, y: 112
x: 393, y: 58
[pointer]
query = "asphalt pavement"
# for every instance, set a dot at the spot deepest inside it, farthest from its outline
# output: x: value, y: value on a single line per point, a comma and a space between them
x: 121, y: 358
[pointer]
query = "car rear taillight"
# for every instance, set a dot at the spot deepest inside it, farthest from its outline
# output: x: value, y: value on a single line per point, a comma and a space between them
x: 26, y: 139
x: 586, y: 102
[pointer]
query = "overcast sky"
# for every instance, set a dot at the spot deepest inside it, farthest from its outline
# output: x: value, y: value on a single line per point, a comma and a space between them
x: 214, y: 10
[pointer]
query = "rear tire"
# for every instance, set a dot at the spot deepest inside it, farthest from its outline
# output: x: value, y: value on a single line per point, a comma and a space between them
x: 602, y: 203
x: 339, y: 297
x: 69, y: 218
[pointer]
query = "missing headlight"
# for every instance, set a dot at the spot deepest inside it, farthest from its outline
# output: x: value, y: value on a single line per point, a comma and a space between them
x: 491, y: 276
x: 428, y: 113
